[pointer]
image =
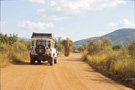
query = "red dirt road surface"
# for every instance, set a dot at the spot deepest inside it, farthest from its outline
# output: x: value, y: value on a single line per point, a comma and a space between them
x: 71, y: 73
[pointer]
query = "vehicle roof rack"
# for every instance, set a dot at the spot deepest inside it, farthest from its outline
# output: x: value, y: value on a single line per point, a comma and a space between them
x: 41, y: 35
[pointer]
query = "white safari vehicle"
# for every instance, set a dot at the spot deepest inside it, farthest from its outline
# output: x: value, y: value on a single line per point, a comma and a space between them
x: 43, y: 47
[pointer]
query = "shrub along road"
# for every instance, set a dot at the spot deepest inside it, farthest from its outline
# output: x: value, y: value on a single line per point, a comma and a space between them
x: 71, y: 73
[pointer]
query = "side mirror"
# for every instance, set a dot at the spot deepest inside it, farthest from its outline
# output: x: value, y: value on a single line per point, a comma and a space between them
x: 57, y: 53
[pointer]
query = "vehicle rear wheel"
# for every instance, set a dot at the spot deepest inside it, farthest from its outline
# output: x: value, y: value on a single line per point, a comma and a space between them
x: 52, y: 61
x: 32, y: 61
x: 39, y: 61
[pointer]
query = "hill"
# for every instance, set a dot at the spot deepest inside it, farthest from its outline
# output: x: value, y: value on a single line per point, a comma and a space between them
x: 118, y: 36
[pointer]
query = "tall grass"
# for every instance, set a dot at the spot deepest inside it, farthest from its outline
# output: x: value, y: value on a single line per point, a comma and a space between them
x: 119, y: 62
x: 16, y: 53
x: 115, y: 63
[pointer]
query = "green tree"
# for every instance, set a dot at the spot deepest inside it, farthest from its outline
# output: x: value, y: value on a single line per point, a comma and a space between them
x: 101, y: 45
x: 105, y: 42
x: 59, y: 45
x: 15, y: 38
x: 131, y: 49
x: 1, y: 38
x: 1, y: 35
x: 83, y: 47
x: 67, y: 38
x: 6, y: 39
x: 92, y: 47
x: 117, y: 46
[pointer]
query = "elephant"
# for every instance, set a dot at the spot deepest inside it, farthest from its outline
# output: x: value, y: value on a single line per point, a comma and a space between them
x: 68, y: 46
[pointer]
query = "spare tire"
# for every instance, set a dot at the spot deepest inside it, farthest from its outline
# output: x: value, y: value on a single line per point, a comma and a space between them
x: 40, y: 49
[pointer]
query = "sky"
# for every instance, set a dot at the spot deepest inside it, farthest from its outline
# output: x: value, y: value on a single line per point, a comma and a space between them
x: 76, y: 19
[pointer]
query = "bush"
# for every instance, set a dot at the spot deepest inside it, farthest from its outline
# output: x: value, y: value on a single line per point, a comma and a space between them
x: 117, y: 46
x: 131, y: 49
x: 8, y: 40
x: 84, y: 57
x: 19, y: 47
x: 12, y: 51
x: 59, y: 44
x: 82, y: 47
x: 101, y: 45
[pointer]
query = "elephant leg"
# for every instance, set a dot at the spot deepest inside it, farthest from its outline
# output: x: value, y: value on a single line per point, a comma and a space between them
x: 65, y: 51
x: 68, y: 51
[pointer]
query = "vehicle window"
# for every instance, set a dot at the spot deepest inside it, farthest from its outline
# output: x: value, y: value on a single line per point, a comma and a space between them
x: 41, y: 42
x: 32, y: 43
x: 49, y: 44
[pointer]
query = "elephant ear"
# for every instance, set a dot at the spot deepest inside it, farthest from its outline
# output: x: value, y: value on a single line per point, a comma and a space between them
x: 64, y: 42
x: 71, y: 43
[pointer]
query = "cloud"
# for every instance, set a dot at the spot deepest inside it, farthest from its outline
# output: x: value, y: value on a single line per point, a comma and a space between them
x: 33, y: 25
x: 62, y: 28
x: 38, y: 1
x: 3, y: 22
x: 58, y: 13
x: 122, y: 24
x: 52, y: 3
x: 61, y: 9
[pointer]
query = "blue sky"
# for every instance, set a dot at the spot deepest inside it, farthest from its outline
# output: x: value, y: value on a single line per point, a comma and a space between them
x: 76, y: 19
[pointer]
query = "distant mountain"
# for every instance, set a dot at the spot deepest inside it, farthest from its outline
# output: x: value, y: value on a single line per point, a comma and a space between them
x: 119, y: 36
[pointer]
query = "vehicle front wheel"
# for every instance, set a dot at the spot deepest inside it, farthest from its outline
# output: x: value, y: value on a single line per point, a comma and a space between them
x: 55, y: 61
x: 52, y: 61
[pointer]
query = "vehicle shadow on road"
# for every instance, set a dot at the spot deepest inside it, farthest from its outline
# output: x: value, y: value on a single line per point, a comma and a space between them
x: 28, y: 63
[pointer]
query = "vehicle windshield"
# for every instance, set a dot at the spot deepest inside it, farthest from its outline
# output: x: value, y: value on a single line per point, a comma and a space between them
x: 41, y: 42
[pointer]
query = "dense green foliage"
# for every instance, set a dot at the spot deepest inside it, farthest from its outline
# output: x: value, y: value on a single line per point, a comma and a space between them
x: 59, y: 45
x: 131, y: 49
x: 100, y: 45
x: 82, y: 47
x: 8, y: 40
x: 117, y: 46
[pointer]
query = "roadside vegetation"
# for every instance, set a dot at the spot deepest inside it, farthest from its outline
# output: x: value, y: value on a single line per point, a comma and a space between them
x: 59, y: 44
x: 118, y: 59
x: 12, y: 50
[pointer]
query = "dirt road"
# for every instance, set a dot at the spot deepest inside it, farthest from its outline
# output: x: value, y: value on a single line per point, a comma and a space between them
x: 71, y: 73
